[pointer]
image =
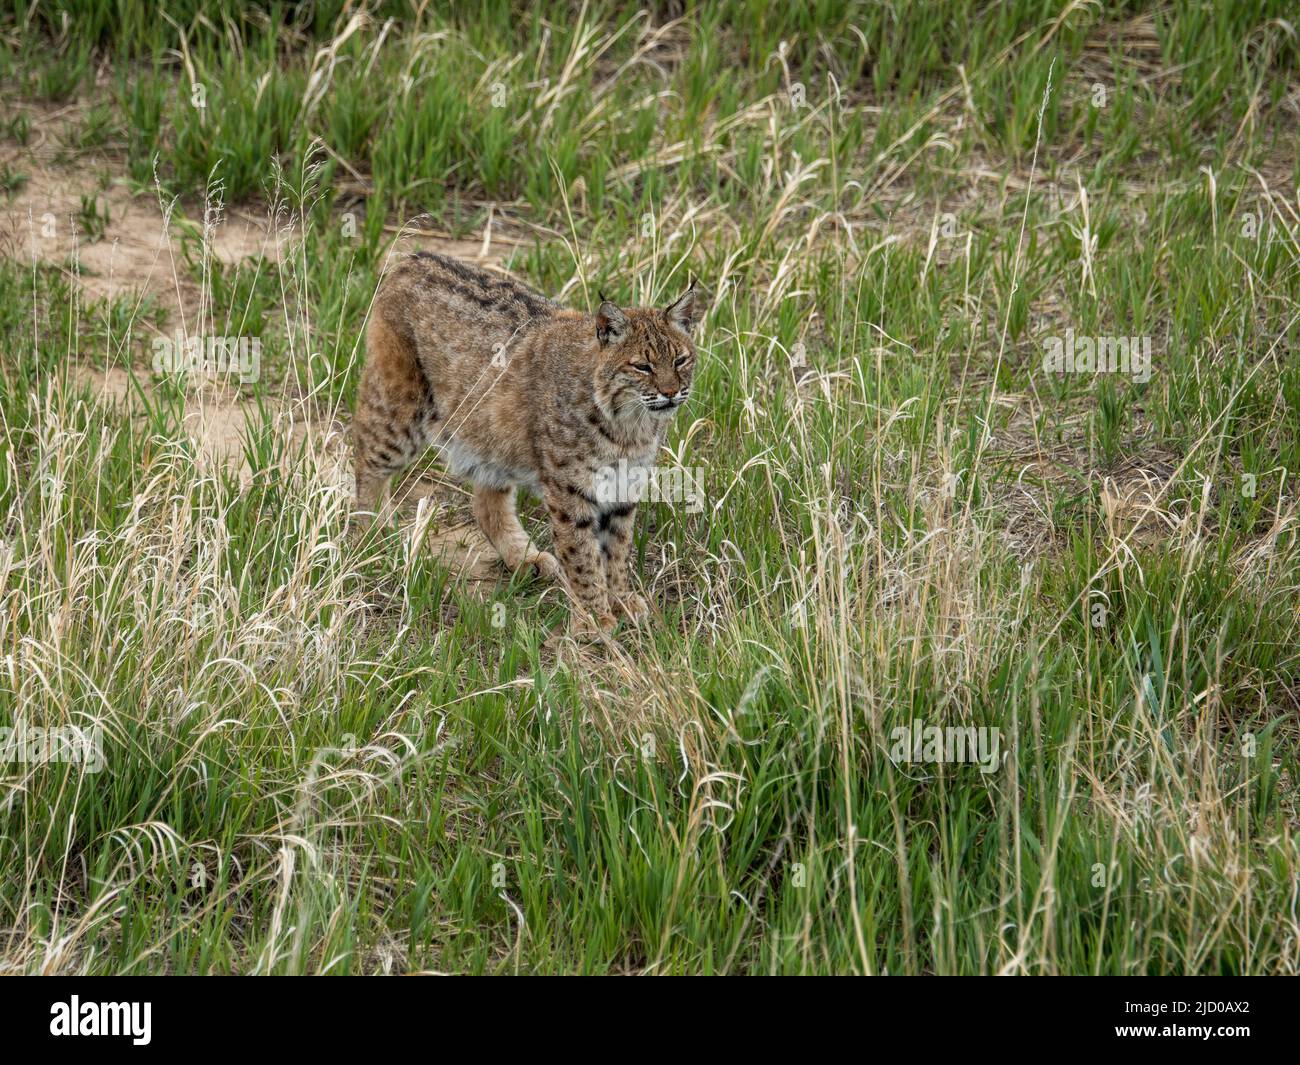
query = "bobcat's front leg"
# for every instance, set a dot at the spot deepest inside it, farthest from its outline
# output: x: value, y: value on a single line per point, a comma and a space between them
x: 573, y: 522
x: 614, y: 530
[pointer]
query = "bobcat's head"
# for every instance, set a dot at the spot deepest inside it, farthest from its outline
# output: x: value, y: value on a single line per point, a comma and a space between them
x: 648, y: 357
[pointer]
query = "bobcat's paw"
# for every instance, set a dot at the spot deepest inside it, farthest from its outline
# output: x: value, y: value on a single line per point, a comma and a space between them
x: 585, y: 625
x: 633, y: 607
x: 544, y: 564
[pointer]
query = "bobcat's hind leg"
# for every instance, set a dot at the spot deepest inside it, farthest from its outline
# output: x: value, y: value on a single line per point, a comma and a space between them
x: 395, y: 420
x: 494, y: 510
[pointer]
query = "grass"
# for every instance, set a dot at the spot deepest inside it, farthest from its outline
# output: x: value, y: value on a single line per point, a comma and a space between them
x: 324, y: 755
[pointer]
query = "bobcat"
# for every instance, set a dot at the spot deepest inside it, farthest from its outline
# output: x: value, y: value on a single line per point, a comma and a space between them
x: 517, y: 391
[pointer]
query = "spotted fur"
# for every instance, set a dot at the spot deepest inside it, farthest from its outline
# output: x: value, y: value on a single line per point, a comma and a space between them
x: 516, y: 391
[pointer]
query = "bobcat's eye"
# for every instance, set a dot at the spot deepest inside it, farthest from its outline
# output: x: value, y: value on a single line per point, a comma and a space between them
x: 642, y: 367
x: 681, y: 360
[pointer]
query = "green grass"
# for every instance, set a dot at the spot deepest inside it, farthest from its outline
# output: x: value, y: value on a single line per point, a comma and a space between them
x: 326, y: 755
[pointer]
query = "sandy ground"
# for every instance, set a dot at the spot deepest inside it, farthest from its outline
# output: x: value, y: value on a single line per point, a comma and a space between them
x: 138, y: 255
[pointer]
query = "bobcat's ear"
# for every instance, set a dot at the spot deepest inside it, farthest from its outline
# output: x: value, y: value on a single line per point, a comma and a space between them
x: 684, y: 313
x: 611, y: 323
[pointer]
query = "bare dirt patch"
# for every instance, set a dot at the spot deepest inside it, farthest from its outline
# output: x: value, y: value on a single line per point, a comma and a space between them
x: 76, y: 213
x: 115, y: 241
